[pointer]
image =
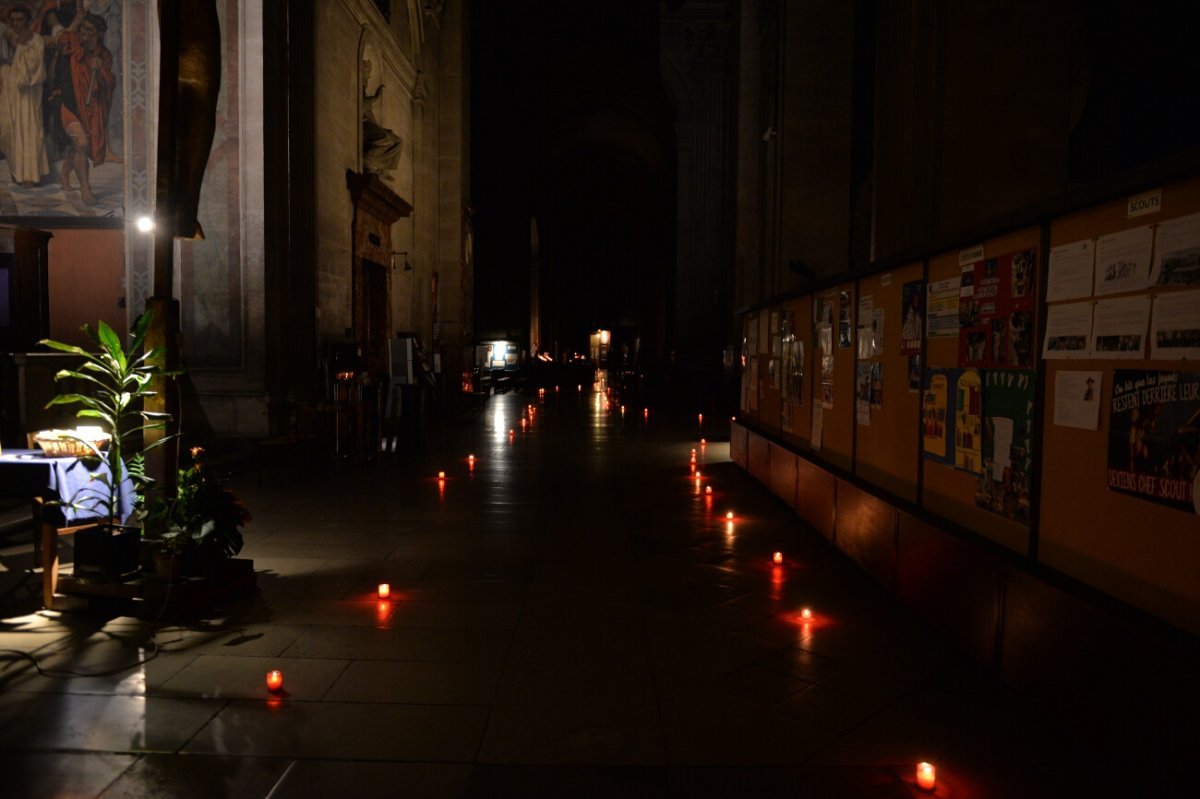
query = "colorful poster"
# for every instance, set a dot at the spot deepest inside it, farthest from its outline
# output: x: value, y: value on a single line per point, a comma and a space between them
x: 862, y: 393
x: 877, y: 385
x: 937, y: 417
x: 1154, y: 437
x: 913, y: 299
x: 844, y: 320
x: 995, y: 312
x: 968, y: 419
x: 914, y: 374
x: 1003, y: 484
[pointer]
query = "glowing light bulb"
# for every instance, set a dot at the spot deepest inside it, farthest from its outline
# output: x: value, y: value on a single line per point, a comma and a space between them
x: 145, y: 224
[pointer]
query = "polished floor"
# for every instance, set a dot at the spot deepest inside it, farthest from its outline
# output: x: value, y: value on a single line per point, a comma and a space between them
x: 572, y: 615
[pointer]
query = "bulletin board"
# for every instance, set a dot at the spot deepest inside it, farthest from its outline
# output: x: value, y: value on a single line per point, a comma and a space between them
x: 837, y: 426
x: 748, y: 404
x: 886, y: 450
x: 1134, y: 548
x: 947, y: 490
x: 797, y: 421
x: 769, y: 364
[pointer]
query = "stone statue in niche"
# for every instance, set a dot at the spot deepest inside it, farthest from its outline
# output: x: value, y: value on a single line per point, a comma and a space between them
x: 381, y: 146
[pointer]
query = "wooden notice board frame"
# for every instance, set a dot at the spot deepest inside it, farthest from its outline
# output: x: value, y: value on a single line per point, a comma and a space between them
x: 885, y: 449
x: 1134, y: 549
x: 946, y: 490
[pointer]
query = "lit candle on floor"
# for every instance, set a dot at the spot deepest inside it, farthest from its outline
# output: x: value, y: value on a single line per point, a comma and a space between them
x: 385, y: 590
x: 806, y: 614
x: 708, y: 489
x: 700, y: 418
x: 926, y: 776
x: 441, y: 475
x: 703, y: 443
x: 274, y: 680
x: 778, y: 558
x: 729, y: 515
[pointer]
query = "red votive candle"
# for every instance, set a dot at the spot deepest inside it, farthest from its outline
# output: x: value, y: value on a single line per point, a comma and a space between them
x: 778, y: 558
x: 274, y: 680
x: 926, y: 776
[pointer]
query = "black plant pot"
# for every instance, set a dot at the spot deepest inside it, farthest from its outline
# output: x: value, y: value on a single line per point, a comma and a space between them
x: 107, y: 551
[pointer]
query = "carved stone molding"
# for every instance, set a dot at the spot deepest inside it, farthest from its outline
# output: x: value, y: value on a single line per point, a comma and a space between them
x: 708, y: 45
x: 432, y: 9
x: 420, y: 90
x: 370, y: 194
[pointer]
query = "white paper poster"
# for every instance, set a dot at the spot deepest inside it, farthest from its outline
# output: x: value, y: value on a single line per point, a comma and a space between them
x: 1175, y: 329
x: 1119, y: 327
x: 1077, y: 399
x: 866, y: 307
x: 942, y: 315
x: 1123, y: 261
x: 1068, y: 330
x: 1177, y: 252
x: 1069, y: 276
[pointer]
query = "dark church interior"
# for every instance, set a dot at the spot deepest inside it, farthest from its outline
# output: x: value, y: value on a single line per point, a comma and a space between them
x: 599, y: 398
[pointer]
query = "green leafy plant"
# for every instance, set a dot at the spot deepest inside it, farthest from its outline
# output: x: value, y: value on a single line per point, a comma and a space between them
x: 204, y: 513
x: 118, y: 379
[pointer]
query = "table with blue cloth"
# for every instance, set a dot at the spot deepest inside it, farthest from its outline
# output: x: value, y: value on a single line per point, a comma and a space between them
x: 66, y: 491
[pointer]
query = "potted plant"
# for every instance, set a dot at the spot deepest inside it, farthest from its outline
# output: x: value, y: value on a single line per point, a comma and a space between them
x: 200, y: 525
x: 118, y: 379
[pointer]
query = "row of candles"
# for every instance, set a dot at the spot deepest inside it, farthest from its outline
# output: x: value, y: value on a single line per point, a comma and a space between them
x: 926, y: 772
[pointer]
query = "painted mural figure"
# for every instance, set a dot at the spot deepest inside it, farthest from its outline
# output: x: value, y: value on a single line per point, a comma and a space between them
x: 22, y: 75
x: 82, y: 85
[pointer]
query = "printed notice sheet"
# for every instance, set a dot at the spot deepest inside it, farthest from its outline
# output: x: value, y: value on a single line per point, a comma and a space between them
x: 1177, y: 252
x: 1068, y: 330
x: 1070, y: 273
x: 1123, y: 260
x: 1175, y: 330
x: 1119, y: 327
x: 942, y: 319
x: 1077, y: 399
